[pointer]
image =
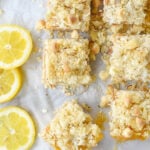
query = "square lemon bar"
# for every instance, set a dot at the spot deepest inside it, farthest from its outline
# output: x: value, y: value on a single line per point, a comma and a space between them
x: 130, y: 58
x: 129, y: 115
x: 66, y: 63
x: 125, y: 11
x: 68, y: 15
x: 72, y: 129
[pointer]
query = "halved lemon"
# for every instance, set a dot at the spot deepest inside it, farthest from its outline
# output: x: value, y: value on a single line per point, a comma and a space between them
x: 17, y: 131
x: 15, y: 46
x: 10, y: 84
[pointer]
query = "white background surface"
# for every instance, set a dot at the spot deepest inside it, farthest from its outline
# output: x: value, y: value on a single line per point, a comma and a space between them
x: 33, y: 97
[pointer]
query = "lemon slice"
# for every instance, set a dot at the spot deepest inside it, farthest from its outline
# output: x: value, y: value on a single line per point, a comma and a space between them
x: 10, y: 84
x: 15, y: 46
x: 17, y: 131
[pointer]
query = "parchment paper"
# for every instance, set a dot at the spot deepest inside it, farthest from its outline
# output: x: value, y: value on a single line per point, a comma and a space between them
x: 33, y: 96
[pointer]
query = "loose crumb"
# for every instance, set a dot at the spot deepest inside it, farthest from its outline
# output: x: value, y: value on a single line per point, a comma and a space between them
x: 44, y: 110
x: 75, y: 34
x: 38, y: 58
x: 86, y: 107
x: 100, y: 119
x: 1, y: 11
x: 104, y: 75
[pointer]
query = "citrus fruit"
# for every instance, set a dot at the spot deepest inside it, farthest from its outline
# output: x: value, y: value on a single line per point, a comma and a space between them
x: 10, y: 84
x: 17, y: 131
x: 15, y: 46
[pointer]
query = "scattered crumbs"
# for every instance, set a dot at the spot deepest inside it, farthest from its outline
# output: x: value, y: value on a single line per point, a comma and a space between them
x: 44, y: 110
x: 46, y: 94
x: 60, y: 34
x: 104, y: 75
x: 68, y: 94
x: 35, y: 48
x: 1, y: 11
x: 38, y: 58
x: 40, y: 49
x: 86, y: 107
x: 100, y: 119
x: 51, y: 34
x: 75, y: 34
x: 131, y: 87
x: 99, y: 106
x: 39, y: 39
x: 67, y: 90
x: 40, y: 25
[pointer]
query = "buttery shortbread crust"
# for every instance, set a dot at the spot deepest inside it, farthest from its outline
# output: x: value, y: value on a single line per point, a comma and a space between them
x: 72, y: 129
x: 66, y: 63
x: 129, y: 115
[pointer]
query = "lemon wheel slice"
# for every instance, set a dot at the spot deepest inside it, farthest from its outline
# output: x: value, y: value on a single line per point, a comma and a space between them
x: 17, y: 131
x: 15, y: 46
x: 10, y: 84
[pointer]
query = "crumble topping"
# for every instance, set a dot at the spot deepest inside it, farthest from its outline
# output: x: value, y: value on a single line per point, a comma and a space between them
x: 66, y: 63
x: 124, y: 12
x: 72, y: 129
x: 130, y: 58
x: 129, y: 115
x: 68, y: 15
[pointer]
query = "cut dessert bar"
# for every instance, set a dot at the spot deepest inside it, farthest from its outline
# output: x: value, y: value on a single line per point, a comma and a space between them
x: 130, y: 58
x: 129, y: 115
x: 125, y: 11
x: 72, y: 129
x: 66, y: 63
x: 68, y: 15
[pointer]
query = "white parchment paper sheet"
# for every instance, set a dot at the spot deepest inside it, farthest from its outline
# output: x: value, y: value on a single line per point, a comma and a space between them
x: 33, y: 96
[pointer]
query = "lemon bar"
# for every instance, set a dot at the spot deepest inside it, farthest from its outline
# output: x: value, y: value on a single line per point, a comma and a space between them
x: 130, y: 58
x: 125, y: 11
x: 68, y: 15
x: 66, y: 63
x: 72, y: 129
x: 129, y: 115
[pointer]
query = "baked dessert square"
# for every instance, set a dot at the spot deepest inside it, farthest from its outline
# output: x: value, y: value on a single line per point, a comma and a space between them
x: 68, y: 15
x: 125, y: 11
x: 72, y: 129
x: 129, y: 115
x: 130, y: 58
x: 66, y: 63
